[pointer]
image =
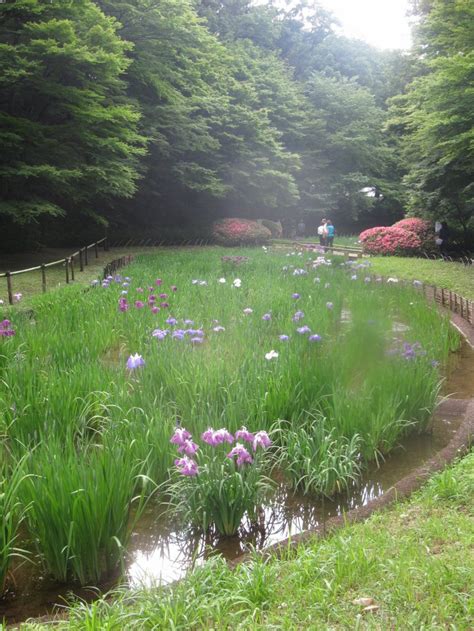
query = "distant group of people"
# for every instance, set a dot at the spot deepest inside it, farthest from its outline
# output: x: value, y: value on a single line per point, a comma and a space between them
x: 326, y: 233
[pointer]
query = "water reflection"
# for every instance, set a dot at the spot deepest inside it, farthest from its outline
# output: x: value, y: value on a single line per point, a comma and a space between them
x: 162, y: 553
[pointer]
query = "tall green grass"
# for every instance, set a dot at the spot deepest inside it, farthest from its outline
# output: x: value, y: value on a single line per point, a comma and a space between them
x: 318, y: 460
x: 11, y: 514
x: 80, y: 507
x: 92, y: 426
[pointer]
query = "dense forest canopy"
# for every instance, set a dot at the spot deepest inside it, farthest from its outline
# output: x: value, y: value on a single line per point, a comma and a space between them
x: 161, y: 115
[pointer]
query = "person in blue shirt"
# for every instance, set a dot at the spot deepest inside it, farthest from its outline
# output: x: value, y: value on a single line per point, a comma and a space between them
x: 329, y: 233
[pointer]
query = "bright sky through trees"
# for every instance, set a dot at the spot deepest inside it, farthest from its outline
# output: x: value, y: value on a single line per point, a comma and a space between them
x: 382, y: 23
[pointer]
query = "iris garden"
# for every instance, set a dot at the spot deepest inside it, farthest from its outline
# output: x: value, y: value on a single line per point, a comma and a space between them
x: 192, y: 380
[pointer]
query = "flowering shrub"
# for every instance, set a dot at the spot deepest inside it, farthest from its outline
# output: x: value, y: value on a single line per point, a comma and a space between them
x: 422, y: 228
x: 240, y: 232
x: 388, y: 241
x: 220, y: 480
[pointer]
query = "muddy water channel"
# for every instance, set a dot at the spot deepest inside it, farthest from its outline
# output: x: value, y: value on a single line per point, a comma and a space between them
x: 160, y: 553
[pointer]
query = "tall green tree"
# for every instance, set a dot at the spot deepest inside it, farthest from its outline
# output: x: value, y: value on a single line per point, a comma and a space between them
x: 344, y: 151
x: 69, y: 138
x: 213, y: 142
x: 435, y: 117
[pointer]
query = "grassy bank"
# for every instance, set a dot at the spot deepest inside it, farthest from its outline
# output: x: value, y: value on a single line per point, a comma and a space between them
x: 413, y: 562
x: 29, y: 284
x: 455, y: 276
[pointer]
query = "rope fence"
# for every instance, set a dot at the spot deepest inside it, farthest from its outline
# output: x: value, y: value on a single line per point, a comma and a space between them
x: 445, y: 297
x: 79, y: 258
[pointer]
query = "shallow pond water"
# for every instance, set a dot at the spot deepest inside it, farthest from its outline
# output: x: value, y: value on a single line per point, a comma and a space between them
x: 159, y: 552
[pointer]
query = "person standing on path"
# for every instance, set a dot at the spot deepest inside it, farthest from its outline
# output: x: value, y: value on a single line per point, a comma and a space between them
x: 322, y: 232
x: 330, y: 232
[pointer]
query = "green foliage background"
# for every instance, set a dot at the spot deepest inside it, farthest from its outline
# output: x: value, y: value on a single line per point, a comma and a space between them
x: 164, y: 115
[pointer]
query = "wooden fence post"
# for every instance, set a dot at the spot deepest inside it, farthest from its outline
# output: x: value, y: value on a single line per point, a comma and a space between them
x: 9, y: 287
x: 43, y: 278
x: 86, y: 260
x: 96, y: 250
x: 81, y: 262
x: 66, y: 262
x: 71, y: 262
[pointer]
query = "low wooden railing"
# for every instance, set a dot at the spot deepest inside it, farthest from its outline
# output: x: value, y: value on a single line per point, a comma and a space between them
x: 117, y: 264
x: 81, y: 257
x: 445, y: 297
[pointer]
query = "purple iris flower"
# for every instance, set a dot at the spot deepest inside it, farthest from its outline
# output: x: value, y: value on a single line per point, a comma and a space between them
x: 244, y: 434
x: 189, y: 322
x: 295, y: 296
x: 298, y: 315
x: 284, y: 338
x: 261, y: 439
x: 178, y: 334
x: 174, y: 288
x: 187, y: 466
x: 180, y: 436
x: 5, y: 329
x: 140, y: 290
x: 267, y: 316
x: 188, y: 447
x: 135, y: 361
x: 139, y: 304
x: 314, y: 338
x: 171, y: 321
x: 164, y: 305
x: 329, y: 306
x: 123, y: 305
x: 160, y: 334
x: 163, y: 296
x: 217, y: 437
x: 243, y: 456
x: 158, y: 282
x: 196, y: 340
x: 303, y: 329
x: 155, y: 309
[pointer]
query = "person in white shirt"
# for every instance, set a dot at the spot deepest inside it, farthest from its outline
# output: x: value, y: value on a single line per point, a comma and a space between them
x: 322, y: 233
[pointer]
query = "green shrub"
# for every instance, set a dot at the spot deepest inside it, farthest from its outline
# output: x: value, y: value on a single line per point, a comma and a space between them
x: 275, y: 227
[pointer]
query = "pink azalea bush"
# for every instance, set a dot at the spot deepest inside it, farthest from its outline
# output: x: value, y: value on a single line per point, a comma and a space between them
x: 390, y: 241
x: 421, y: 227
x: 234, y: 231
